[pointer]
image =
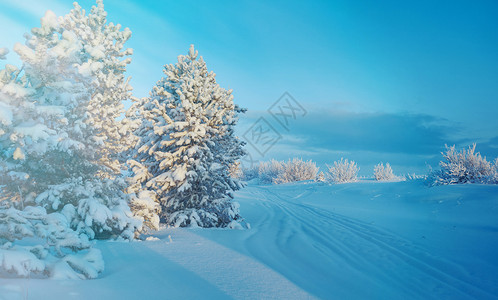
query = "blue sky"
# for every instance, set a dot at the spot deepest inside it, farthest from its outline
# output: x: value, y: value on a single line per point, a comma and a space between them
x: 379, y: 80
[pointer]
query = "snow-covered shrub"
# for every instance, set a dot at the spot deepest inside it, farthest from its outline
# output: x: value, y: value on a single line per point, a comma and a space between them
x: 270, y: 170
x: 465, y: 166
x: 278, y: 172
x: 297, y: 170
x: 53, y: 246
x: 382, y: 172
x: 343, y: 171
x: 493, y: 178
x: 250, y: 173
x: 97, y: 208
x: 321, y: 177
x: 84, y: 265
x: 36, y: 261
x: 20, y: 261
x: 187, y: 145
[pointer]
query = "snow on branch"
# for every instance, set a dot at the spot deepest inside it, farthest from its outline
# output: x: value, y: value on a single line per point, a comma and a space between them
x: 343, y: 171
x: 464, y: 166
x: 385, y: 173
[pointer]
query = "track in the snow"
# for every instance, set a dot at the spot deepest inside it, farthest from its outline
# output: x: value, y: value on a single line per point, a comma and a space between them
x: 311, y: 241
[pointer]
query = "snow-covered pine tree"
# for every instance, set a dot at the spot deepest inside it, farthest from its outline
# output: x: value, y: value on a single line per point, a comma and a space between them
x: 235, y: 170
x: 27, y: 115
x: 61, y: 151
x: 23, y: 135
x: 187, y: 145
x: 105, y: 60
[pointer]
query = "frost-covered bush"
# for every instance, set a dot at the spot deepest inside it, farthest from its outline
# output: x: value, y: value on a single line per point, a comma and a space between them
x: 186, y: 147
x: 278, y: 172
x: 250, y: 173
x: 343, y: 171
x: 384, y: 173
x: 465, y: 166
x: 270, y: 170
x: 297, y: 170
x: 321, y: 177
x: 494, y: 175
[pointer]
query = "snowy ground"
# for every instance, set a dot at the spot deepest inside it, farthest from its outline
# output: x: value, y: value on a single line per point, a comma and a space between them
x: 365, y: 240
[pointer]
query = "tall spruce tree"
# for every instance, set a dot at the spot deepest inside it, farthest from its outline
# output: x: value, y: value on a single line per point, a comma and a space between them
x: 59, y: 144
x: 64, y: 153
x: 186, y: 147
x: 105, y: 60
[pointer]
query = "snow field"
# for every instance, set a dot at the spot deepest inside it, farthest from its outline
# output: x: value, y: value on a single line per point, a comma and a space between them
x: 363, y: 240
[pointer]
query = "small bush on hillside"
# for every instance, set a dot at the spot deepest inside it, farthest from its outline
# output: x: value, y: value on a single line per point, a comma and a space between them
x: 279, y: 172
x: 343, y: 171
x: 270, y: 170
x: 321, y: 177
x: 250, y: 173
x: 465, y: 166
x: 494, y: 176
x: 384, y: 173
x: 297, y: 170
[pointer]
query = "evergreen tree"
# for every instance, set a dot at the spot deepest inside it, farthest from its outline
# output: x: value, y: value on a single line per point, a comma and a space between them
x: 59, y: 146
x: 63, y: 148
x: 186, y: 147
x: 105, y: 60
